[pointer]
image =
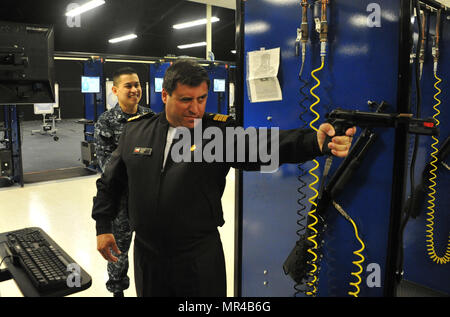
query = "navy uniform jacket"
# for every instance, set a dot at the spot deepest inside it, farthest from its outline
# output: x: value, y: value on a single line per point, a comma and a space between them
x: 172, y: 208
x: 108, y: 129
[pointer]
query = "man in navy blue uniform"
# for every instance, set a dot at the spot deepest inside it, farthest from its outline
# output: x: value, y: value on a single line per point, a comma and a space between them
x: 175, y: 207
x: 107, y: 131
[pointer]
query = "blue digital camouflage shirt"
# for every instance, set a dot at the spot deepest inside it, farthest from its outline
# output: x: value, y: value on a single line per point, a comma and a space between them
x: 108, y: 129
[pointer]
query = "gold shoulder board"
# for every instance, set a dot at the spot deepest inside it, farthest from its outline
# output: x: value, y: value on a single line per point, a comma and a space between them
x: 220, y: 117
x: 133, y: 118
x: 139, y: 116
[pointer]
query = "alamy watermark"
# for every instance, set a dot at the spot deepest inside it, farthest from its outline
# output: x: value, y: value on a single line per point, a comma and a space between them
x: 374, y: 18
x: 374, y: 277
x: 74, y: 278
x: 73, y: 21
x: 236, y: 146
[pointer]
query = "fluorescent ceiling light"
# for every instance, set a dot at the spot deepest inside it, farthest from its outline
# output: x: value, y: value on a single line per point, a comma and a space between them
x: 85, y: 7
x: 194, y: 23
x: 70, y: 58
x: 123, y: 38
x: 191, y: 45
x: 128, y: 61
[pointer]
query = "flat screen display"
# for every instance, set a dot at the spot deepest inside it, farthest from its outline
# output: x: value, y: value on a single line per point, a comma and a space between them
x: 90, y: 84
x: 219, y: 85
x: 158, y: 84
x: 27, y: 73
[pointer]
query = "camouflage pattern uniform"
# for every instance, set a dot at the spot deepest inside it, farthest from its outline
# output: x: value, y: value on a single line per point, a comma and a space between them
x: 107, y: 131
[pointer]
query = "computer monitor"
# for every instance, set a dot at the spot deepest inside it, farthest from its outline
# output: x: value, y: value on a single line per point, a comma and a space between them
x: 26, y: 63
x: 90, y: 84
x: 158, y: 84
x: 219, y: 85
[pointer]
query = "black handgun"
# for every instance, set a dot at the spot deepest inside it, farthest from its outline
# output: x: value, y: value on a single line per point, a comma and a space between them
x: 342, y: 120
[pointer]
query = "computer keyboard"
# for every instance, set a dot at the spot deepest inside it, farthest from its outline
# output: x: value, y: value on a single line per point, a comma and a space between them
x: 44, y: 263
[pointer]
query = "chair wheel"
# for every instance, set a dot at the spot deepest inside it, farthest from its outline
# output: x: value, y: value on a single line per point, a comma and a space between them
x: 55, y: 138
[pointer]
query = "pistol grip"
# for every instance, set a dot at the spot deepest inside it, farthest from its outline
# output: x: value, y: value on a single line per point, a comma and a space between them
x: 339, y: 129
x: 325, y: 149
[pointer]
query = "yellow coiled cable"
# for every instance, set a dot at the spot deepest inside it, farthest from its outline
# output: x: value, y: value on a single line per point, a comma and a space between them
x: 357, y: 263
x: 430, y: 231
x: 358, y: 252
x: 313, y: 272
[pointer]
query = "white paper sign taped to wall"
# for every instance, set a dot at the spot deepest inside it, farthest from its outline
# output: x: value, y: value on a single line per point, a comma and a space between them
x: 262, y: 70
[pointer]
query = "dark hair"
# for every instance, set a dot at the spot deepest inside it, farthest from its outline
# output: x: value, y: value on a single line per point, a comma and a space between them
x: 122, y: 71
x: 186, y: 72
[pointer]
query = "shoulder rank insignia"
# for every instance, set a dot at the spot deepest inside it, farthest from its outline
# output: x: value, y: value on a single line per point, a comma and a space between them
x: 140, y: 116
x: 220, y: 117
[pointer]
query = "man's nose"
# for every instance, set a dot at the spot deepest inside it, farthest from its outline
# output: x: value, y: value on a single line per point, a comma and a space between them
x: 195, y: 107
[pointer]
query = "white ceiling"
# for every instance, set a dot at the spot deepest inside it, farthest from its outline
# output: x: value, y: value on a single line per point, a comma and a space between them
x: 229, y: 4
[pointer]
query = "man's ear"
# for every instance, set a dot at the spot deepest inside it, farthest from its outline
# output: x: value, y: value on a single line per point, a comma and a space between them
x: 114, y: 90
x: 164, y: 95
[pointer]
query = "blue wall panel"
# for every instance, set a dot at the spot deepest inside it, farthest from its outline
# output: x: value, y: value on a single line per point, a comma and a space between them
x: 217, y: 102
x: 156, y: 71
x: 418, y: 266
x: 362, y: 65
x: 93, y: 69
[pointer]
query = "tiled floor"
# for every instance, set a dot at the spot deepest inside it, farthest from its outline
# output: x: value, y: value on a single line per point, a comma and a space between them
x: 63, y: 210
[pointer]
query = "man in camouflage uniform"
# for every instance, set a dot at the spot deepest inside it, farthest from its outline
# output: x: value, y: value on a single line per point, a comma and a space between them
x: 108, y: 129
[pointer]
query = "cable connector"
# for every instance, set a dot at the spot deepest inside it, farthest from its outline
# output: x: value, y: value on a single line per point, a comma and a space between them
x: 341, y: 210
x: 323, y: 49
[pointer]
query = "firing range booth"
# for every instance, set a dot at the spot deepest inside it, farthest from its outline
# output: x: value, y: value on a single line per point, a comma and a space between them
x: 26, y: 77
x: 377, y: 224
x: 373, y: 224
